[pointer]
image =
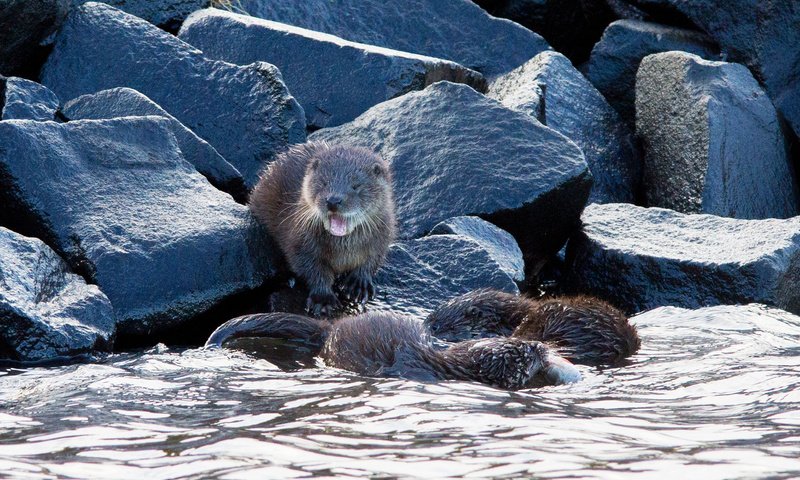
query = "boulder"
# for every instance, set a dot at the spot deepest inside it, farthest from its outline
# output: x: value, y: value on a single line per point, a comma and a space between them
x: 23, y: 99
x: 26, y: 25
x: 616, y: 57
x: 126, y: 102
x: 456, y: 152
x: 117, y: 200
x: 574, y: 108
x: 498, y: 243
x: 165, y: 14
x: 46, y: 311
x: 335, y: 80
x: 245, y: 112
x: 712, y: 139
x: 641, y: 258
x: 456, y: 30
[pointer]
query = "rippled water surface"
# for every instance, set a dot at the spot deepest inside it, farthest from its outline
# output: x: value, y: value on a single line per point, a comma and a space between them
x: 709, y: 396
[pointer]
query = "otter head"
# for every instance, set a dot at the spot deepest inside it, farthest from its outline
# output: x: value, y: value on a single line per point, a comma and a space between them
x: 347, y: 187
x: 479, y: 314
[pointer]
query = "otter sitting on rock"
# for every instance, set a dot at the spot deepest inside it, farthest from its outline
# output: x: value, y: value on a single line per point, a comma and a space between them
x: 390, y: 345
x: 331, y: 211
x: 583, y: 329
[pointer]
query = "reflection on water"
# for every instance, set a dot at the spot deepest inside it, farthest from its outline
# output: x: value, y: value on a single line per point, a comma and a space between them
x: 714, y: 394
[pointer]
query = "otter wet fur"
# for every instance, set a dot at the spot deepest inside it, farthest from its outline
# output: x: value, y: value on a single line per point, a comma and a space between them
x: 331, y: 211
x: 389, y: 345
x: 583, y: 329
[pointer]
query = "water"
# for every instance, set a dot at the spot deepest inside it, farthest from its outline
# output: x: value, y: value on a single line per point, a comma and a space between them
x: 712, y: 395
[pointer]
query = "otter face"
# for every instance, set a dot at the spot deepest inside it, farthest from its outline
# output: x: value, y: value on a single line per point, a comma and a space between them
x: 478, y: 314
x: 347, y: 187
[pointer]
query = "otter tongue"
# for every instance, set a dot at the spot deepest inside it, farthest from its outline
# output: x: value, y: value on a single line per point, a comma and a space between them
x: 338, y: 225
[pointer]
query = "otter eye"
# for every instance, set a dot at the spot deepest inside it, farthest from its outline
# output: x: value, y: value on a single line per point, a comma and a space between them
x: 377, y: 170
x: 473, y: 311
x: 356, y: 186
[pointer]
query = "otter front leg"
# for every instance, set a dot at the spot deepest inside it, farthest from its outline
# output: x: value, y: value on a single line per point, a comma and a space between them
x: 319, y: 278
x: 358, y: 286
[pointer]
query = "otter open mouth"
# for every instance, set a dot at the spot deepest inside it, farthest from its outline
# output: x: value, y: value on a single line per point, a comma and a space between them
x: 338, y: 225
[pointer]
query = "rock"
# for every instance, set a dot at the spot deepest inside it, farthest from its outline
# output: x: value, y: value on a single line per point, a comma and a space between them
x: 574, y: 108
x: 713, y: 142
x: 126, y: 102
x: 165, y: 14
x: 348, y: 78
x: 245, y: 112
x: 498, y: 243
x: 455, y: 152
x: 641, y: 258
x: 46, y: 311
x: 26, y: 100
x: 118, y: 202
x: 456, y: 30
x: 26, y: 24
x: 616, y: 57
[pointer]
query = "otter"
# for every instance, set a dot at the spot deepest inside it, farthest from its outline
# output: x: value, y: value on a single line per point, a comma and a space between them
x: 331, y: 211
x: 583, y: 329
x: 390, y: 345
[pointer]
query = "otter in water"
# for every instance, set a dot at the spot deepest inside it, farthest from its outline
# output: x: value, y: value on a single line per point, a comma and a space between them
x: 390, y: 345
x: 331, y: 211
x: 583, y: 329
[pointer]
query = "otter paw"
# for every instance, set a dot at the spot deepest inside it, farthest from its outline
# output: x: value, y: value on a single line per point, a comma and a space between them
x: 322, y: 304
x: 358, y: 288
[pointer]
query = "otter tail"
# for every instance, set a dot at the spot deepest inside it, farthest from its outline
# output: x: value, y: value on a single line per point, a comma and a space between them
x: 275, y: 325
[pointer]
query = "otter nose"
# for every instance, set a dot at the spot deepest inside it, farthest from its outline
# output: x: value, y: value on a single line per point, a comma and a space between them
x: 334, y: 203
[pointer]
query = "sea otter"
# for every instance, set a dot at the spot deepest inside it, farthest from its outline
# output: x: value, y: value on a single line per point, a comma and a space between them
x: 584, y: 329
x: 331, y: 211
x: 390, y: 345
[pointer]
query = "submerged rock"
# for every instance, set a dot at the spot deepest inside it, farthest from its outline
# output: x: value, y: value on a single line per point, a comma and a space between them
x: 713, y: 141
x: 166, y: 14
x: 117, y: 200
x: 23, y: 99
x: 641, y: 258
x: 335, y: 80
x: 46, y: 311
x: 456, y: 30
x: 245, y: 112
x: 26, y: 25
x: 126, y: 102
x: 455, y: 152
x: 574, y: 108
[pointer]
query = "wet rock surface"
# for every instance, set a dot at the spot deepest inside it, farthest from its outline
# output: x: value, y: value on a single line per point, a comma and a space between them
x: 640, y: 258
x: 335, y: 80
x: 245, y: 112
x: 47, y: 312
x: 713, y: 141
x: 166, y: 14
x: 117, y: 200
x: 26, y: 100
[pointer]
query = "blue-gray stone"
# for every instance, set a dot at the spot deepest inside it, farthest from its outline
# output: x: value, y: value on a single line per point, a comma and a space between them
x: 166, y: 14
x: 26, y: 25
x: 23, y: 99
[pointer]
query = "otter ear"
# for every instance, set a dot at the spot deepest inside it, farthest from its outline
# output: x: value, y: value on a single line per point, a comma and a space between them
x: 474, y: 312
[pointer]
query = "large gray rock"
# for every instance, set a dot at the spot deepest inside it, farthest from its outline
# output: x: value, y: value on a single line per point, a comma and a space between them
x: 640, y: 258
x: 574, y: 108
x: 455, y: 152
x: 334, y: 80
x: 23, y: 99
x: 26, y: 25
x: 166, y: 14
x: 120, y: 204
x: 46, y: 311
x: 713, y: 142
x: 126, y: 102
x: 616, y: 57
x: 245, y: 112
x: 456, y: 30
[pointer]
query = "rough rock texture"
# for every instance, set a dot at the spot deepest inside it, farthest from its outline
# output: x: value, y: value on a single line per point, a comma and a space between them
x: 713, y: 142
x: 126, y: 102
x: 498, y: 243
x: 46, y: 311
x: 574, y: 108
x: 455, y: 152
x: 26, y: 24
x: 334, y: 80
x: 117, y: 200
x: 245, y: 112
x: 456, y: 30
x: 166, y: 14
x: 23, y: 99
x: 616, y: 57
x: 640, y: 258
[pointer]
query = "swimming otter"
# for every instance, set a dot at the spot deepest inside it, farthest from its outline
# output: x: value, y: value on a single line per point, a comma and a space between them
x: 331, y: 211
x: 584, y: 329
x: 390, y: 345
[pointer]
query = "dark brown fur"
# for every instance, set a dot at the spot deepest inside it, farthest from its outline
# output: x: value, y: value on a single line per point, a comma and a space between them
x: 290, y: 199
